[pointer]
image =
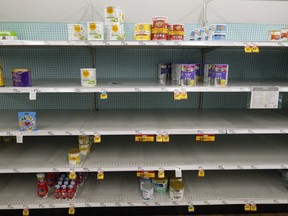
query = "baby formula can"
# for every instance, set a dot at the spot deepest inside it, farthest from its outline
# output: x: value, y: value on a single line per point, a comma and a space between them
x: 88, y: 77
x: 21, y: 77
x: 95, y: 31
x: 142, y: 31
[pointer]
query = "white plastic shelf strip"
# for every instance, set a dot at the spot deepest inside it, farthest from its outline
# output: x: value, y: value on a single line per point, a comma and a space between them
x: 131, y: 122
x: 137, y: 85
x: 180, y: 44
x: 118, y: 153
x: 122, y: 189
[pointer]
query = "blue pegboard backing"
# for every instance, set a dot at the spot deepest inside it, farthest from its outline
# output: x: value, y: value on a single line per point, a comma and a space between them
x: 250, y: 32
x: 47, y: 63
x: 225, y: 100
x: 47, y: 101
x: 268, y: 64
x: 147, y: 101
x: 139, y: 63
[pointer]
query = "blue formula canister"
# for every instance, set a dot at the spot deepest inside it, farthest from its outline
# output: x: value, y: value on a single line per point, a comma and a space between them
x: 21, y: 77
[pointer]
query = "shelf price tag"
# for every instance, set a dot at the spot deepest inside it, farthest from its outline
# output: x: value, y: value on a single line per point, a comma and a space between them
x: 255, y: 49
x: 72, y: 175
x: 178, y: 172
x: 19, y: 138
x: 100, y: 175
x: 205, y: 138
x: 166, y: 137
x: 32, y: 95
x: 146, y: 174
x: 71, y: 211
x: 264, y: 97
x: 97, y: 138
x: 26, y: 212
x: 177, y: 95
x: 103, y: 95
x: 248, y: 49
x: 184, y: 94
x: 247, y: 207
x: 159, y: 137
x: 201, y: 173
x: 253, y: 207
x: 161, y: 173
x: 144, y: 138
x: 191, y: 208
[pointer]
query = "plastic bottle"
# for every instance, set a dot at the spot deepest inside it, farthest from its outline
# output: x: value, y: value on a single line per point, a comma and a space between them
x: 42, y: 187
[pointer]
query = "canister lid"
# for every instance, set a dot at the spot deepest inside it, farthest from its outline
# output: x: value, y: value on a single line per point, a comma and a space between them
x: 40, y: 176
x: 74, y: 151
x: 177, y: 185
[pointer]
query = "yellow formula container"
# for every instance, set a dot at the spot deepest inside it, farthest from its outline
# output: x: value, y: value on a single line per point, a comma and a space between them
x: 142, y: 31
x: 74, y: 157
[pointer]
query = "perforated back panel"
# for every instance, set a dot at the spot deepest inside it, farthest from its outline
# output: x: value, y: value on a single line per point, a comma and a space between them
x: 224, y: 100
x: 47, y: 101
x: 147, y: 101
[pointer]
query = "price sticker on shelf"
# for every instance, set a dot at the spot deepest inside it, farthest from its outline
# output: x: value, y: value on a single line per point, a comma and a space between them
x: 255, y: 49
x: 177, y: 95
x: 32, y: 95
x: 253, y: 207
x: 146, y: 174
x: 166, y: 137
x: 248, y: 49
x: 72, y: 175
x: 144, y: 138
x: 159, y: 137
x: 71, y: 211
x: 205, y: 138
x: 26, y: 212
x: 201, y: 173
x: 97, y: 138
x: 178, y: 172
x: 19, y: 139
x: 247, y: 207
x: 191, y: 208
x: 184, y: 95
x: 161, y: 173
x: 100, y: 175
x: 103, y: 95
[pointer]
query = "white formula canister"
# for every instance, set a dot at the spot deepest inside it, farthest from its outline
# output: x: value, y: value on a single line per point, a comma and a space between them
x: 75, y: 32
x: 176, y: 190
x: 147, y: 191
x: 88, y: 77
x: 114, y: 32
x: 113, y: 14
x: 95, y: 31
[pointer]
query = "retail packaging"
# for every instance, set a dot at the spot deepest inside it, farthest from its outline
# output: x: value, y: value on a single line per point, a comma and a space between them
x: 274, y: 35
x: 160, y: 28
x: 177, y: 32
x: 216, y: 74
x: 88, y: 77
x: 147, y: 191
x: 42, y: 187
x: 27, y: 121
x: 284, y: 34
x: 160, y: 185
x: 164, y: 73
x: 142, y: 31
x: 84, y: 140
x: 95, y: 31
x: 2, y: 80
x: 176, y: 190
x: 114, y: 23
x: 74, y: 157
x: 211, y: 32
x: 184, y: 74
x: 84, y: 149
x: 21, y: 77
x: 114, y: 32
x: 207, y: 73
x: 76, y: 32
x: 8, y: 35
x: 113, y: 14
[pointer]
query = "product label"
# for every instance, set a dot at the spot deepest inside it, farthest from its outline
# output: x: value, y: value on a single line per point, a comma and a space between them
x: 187, y: 75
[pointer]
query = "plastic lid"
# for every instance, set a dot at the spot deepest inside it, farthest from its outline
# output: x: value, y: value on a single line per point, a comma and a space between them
x: 74, y: 151
x: 177, y: 185
x: 40, y: 176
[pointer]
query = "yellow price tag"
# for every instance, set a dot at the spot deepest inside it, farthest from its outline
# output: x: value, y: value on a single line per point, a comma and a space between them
x: 144, y: 138
x: 103, y: 95
x: 205, y: 138
x: 248, y: 49
x: 247, y: 207
x: 254, y: 207
x: 184, y: 95
x: 72, y: 175
x: 25, y: 212
x: 255, y: 49
x: 166, y: 138
x: 97, y: 138
x: 159, y: 138
x: 71, y: 211
x: 146, y: 174
x: 177, y: 95
x: 201, y: 173
x: 161, y: 174
x: 100, y: 175
x: 191, y: 208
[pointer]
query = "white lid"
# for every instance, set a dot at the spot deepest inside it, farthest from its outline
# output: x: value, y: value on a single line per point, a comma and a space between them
x: 40, y: 175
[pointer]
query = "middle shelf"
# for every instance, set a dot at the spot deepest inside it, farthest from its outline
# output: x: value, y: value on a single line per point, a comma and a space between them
x: 122, y: 153
x: 133, y: 122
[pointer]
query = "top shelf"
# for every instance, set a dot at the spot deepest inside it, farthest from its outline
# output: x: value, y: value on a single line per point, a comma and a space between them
x: 158, y: 44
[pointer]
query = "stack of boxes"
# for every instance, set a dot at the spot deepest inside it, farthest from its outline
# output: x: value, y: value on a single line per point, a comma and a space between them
x: 215, y: 32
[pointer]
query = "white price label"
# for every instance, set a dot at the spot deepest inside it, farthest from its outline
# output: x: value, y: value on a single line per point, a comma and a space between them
x: 178, y: 172
x: 266, y: 97
x: 32, y: 95
x: 19, y: 139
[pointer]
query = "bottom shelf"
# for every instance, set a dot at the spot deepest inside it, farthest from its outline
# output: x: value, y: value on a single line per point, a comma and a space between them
x: 18, y: 191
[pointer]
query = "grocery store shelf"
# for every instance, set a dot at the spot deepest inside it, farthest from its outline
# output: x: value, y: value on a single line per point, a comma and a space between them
x: 122, y: 189
x: 122, y: 153
x: 136, y: 85
x: 158, y: 44
x: 132, y: 122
